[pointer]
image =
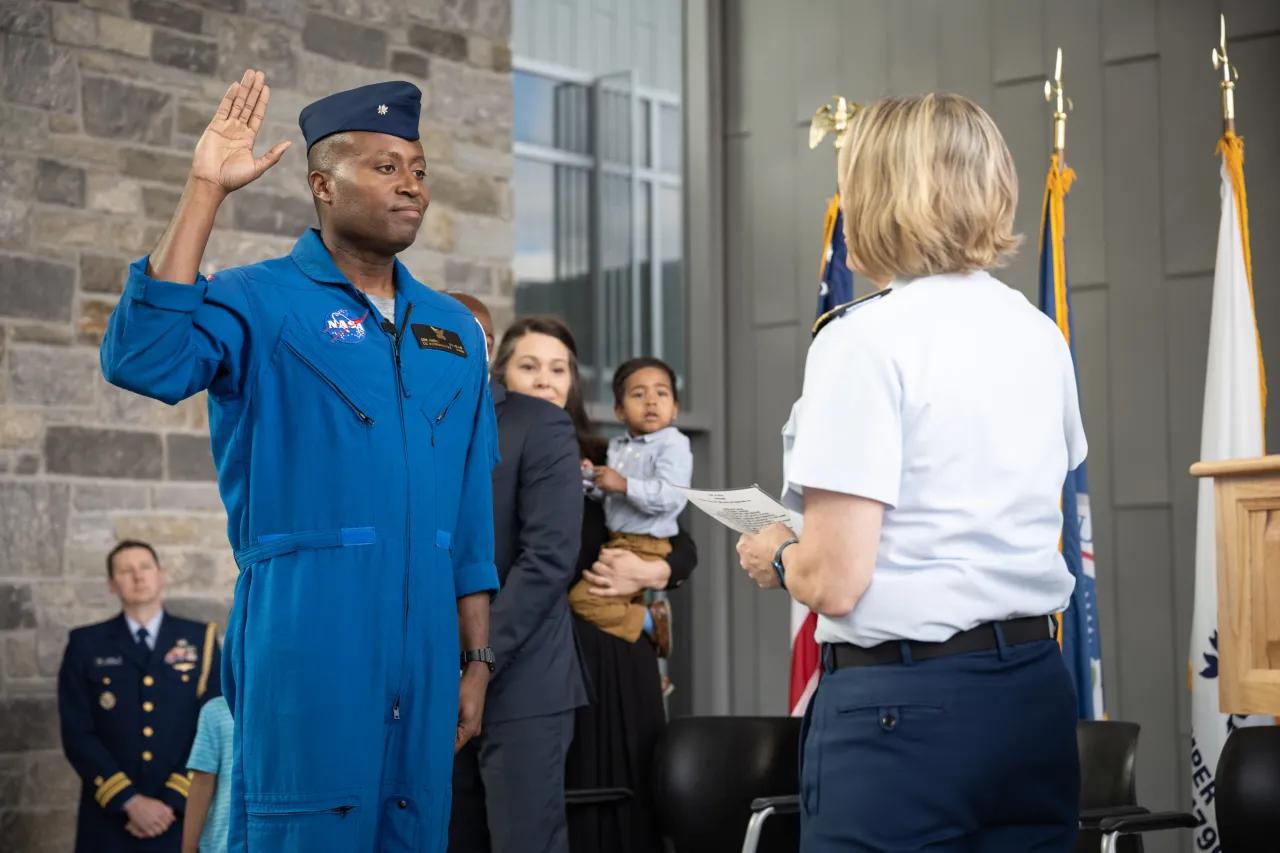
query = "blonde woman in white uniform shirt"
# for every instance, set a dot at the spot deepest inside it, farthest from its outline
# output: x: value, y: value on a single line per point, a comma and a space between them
x: 938, y: 422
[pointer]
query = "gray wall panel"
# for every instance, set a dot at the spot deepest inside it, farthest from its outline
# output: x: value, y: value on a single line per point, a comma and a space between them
x: 1147, y: 692
x: 816, y: 48
x: 1128, y: 29
x: 1019, y: 110
x: 1187, y: 31
x: 1139, y: 396
x: 773, y: 249
x: 1251, y: 17
x: 864, y: 64
x: 1017, y: 28
x: 964, y: 49
x: 1139, y: 381
x: 913, y: 46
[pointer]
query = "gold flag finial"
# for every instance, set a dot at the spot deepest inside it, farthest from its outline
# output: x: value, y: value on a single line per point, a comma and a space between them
x: 1053, y: 89
x: 1229, y: 77
x: 831, y: 120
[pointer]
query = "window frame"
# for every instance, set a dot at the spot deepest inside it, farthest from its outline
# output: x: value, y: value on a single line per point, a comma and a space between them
x: 648, y: 179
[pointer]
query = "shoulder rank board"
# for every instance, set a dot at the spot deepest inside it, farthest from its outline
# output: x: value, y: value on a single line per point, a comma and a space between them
x: 840, y: 310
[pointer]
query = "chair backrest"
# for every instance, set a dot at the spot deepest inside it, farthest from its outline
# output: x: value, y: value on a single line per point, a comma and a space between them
x: 707, y: 770
x: 1108, y: 758
x: 1247, y: 790
x: 1108, y: 754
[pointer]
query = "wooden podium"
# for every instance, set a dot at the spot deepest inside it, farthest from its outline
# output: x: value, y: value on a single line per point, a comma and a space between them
x: 1246, y: 499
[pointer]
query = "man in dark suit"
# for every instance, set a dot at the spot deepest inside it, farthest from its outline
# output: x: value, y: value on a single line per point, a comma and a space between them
x: 508, y: 783
x: 129, y: 694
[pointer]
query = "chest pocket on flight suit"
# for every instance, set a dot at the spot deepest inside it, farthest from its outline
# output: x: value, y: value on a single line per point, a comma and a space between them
x: 310, y: 354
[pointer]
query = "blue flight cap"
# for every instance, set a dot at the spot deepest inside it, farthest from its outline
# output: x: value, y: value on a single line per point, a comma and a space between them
x: 392, y: 108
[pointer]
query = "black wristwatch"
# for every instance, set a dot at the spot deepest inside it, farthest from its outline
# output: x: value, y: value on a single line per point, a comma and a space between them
x: 484, y: 655
x: 777, y: 561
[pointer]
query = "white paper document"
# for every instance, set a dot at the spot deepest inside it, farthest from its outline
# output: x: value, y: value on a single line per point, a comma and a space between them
x: 743, y: 510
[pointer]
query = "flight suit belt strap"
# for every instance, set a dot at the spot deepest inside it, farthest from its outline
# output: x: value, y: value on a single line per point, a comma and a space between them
x: 276, y: 544
x: 983, y: 638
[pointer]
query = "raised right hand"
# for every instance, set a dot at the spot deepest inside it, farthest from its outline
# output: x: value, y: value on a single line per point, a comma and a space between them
x: 150, y: 816
x: 224, y: 155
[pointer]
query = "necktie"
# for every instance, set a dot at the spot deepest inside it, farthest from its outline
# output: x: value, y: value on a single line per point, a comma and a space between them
x: 143, y: 635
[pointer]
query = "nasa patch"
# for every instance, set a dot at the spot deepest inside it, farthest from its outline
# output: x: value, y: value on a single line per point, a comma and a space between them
x: 342, y: 328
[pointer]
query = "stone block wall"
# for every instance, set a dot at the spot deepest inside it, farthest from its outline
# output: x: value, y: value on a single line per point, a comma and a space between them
x: 101, y: 103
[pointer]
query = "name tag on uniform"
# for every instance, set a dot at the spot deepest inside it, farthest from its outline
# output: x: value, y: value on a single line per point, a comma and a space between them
x: 112, y: 661
x: 433, y: 337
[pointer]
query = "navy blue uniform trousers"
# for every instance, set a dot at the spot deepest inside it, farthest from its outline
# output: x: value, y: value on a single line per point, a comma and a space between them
x: 973, y: 752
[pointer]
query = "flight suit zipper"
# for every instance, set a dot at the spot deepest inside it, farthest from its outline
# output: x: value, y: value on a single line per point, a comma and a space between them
x: 443, y: 412
x: 365, y: 419
x: 408, y: 510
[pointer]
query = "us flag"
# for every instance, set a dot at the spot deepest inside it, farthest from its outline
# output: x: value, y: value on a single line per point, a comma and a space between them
x: 835, y: 289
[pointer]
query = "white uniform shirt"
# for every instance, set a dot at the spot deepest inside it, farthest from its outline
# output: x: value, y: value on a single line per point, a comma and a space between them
x: 953, y: 401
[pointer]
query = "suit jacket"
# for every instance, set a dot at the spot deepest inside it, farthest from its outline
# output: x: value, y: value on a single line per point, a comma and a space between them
x: 128, y: 719
x: 537, y: 527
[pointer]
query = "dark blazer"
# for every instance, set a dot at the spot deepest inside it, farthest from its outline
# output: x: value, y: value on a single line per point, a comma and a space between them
x: 128, y: 719
x: 537, y: 527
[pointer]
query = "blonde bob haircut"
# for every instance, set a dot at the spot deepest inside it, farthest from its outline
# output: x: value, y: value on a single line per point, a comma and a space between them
x: 927, y: 187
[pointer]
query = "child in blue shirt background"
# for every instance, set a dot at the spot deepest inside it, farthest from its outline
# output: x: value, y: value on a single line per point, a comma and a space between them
x: 204, y: 826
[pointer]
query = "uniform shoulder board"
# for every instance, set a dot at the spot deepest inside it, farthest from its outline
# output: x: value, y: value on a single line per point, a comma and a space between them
x: 840, y: 310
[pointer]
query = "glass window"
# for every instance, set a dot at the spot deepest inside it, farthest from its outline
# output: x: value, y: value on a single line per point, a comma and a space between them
x: 552, y: 206
x: 670, y: 130
x: 600, y: 245
x: 671, y: 244
x: 551, y: 113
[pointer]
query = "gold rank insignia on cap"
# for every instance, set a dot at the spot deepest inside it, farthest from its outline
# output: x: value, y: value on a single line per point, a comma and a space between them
x: 107, y: 700
x: 840, y: 310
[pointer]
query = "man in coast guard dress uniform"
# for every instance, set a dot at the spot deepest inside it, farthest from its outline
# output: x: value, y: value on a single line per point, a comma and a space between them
x: 129, y: 694
x: 354, y: 436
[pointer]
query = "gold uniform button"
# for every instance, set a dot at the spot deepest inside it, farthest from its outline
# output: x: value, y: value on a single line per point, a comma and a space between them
x: 148, y: 707
x: 147, y: 731
x: 186, y: 677
x: 106, y: 681
x: 146, y: 756
x: 148, y: 681
x: 97, y: 780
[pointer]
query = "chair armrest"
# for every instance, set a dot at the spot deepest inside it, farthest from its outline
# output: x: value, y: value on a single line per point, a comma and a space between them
x: 1091, y: 818
x: 780, y: 805
x: 595, y: 796
x: 1151, y: 822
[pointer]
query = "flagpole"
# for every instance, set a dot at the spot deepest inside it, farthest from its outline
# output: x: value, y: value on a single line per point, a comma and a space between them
x: 1053, y: 89
x: 1229, y: 78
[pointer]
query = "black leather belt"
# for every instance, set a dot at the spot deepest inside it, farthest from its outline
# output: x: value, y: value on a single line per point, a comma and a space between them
x: 1028, y: 629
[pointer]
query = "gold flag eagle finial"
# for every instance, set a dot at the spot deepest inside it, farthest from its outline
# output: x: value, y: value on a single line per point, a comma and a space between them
x: 828, y: 119
x: 1229, y: 77
x: 1053, y: 90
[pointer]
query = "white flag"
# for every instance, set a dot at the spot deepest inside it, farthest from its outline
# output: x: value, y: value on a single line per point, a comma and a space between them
x: 1232, y: 428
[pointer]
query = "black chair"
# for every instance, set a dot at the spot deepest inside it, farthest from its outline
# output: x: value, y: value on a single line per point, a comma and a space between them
x: 708, y: 771
x: 1246, y: 797
x: 1108, y: 786
x: 1108, y: 780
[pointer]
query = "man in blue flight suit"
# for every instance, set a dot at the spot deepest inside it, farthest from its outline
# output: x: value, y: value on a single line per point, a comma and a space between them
x: 129, y: 695
x: 354, y: 435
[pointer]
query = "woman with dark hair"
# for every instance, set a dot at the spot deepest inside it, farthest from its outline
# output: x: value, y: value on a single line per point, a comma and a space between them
x: 614, y: 737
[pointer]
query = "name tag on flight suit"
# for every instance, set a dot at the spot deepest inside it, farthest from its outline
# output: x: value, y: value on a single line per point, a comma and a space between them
x: 433, y: 337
